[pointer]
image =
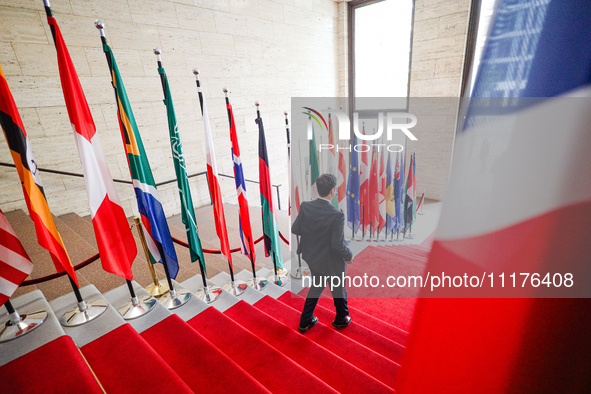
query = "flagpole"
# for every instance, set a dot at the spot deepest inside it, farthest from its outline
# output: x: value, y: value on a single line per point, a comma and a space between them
x: 19, y: 325
x: 156, y: 289
x: 298, y: 272
x: 135, y: 307
x: 236, y: 288
x: 257, y: 282
x: 172, y: 299
x: 277, y: 277
x: 84, y: 311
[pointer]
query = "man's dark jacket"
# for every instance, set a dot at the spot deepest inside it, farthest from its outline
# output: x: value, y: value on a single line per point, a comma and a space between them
x: 322, y: 242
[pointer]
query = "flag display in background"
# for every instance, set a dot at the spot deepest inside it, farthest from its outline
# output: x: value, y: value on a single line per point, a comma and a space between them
x: 115, y: 242
x: 373, y: 193
x: 22, y: 154
x: 390, y: 199
x: 409, y: 196
x: 154, y: 222
x: 363, y: 190
x: 187, y: 210
x: 353, y: 206
x: 523, y: 207
x: 401, y: 194
x: 270, y: 227
x: 382, y: 196
x: 342, y: 183
x: 15, y: 264
x: 314, y: 170
x: 246, y: 238
x: 214, y: 182
x: 398, y: 190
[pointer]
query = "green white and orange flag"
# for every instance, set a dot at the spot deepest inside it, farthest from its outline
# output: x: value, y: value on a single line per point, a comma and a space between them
x: 22, y: 154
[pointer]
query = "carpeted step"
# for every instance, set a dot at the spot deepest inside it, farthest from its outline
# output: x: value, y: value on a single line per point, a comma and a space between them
x: 196, y: 360
x: 316, y: 359
x: 373, y: 363
x: 50, y: 368
x: 364, y: 318
x: 115, y: 351
x: 357, y: 332
x: 255, y: 356
x: 119, y: 360
x: 28, y: 364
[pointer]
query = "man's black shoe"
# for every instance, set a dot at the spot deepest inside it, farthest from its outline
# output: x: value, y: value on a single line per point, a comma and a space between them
x: 343, y: 323
x: 312, y: 324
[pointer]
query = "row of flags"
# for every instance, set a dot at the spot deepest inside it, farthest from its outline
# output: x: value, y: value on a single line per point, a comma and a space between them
x: 115, y: 241
x: 375, y: 196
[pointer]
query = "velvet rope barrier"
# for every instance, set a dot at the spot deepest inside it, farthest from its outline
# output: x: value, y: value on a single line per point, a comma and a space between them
x: 96, y: 257
x: 60, y: 274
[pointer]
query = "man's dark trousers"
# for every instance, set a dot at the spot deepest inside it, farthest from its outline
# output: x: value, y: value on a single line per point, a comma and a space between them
x: 339, y: 295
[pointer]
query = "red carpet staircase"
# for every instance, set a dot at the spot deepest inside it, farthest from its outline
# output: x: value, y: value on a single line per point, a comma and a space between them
x: 246, y: 344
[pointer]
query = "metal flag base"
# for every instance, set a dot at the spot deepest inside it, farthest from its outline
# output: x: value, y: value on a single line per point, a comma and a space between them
x: 282, y: 272
x: 279, y: 280
x: 20, y: 325
x: 208, y: 294
x: 236, y: 288
x: 84, y: 312
x: 299, y: 274
x: 175, y: 298
x: 157, y: 290
x: 257, y: 283
x: 137, y: 307
x: 410, y: 236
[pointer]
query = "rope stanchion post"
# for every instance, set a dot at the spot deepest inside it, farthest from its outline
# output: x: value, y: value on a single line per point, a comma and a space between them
x: 157, y: 288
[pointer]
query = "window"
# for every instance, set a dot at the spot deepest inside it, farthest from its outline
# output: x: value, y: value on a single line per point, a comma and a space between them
x: 379, y: 52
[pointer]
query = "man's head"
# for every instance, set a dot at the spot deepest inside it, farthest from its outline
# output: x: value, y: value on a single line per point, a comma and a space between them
x: 326, y: 184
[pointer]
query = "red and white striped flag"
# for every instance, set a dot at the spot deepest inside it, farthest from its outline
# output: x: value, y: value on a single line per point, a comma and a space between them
x: 113, y: 236
x: 15, y: 264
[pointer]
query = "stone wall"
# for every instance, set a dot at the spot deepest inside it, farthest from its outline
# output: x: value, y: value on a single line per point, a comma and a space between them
x: 439, y: 40
x: 260, y: 49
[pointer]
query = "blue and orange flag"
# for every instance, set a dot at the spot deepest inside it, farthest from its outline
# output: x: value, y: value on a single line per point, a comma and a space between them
x: 155, y: 227
x: 270, y: 228
x: 26, y: 165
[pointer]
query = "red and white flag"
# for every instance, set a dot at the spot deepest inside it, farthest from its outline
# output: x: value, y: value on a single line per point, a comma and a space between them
x: 113, y: 235
x: 15, y: 264
x: 213, y: 181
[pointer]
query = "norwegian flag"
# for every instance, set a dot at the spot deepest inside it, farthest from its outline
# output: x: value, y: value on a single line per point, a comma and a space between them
x: 244, y: 215
x: 15, y: 264
x: 113, y: 235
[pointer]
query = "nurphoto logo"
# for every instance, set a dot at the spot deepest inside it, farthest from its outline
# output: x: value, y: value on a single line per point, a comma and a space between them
x: 394, y: 121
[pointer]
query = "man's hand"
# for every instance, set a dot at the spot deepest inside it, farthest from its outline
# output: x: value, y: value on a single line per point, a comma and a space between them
x: 349, y: 262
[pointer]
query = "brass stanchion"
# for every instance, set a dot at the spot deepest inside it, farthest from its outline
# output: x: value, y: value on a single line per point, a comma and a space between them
x: 156, y: 289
